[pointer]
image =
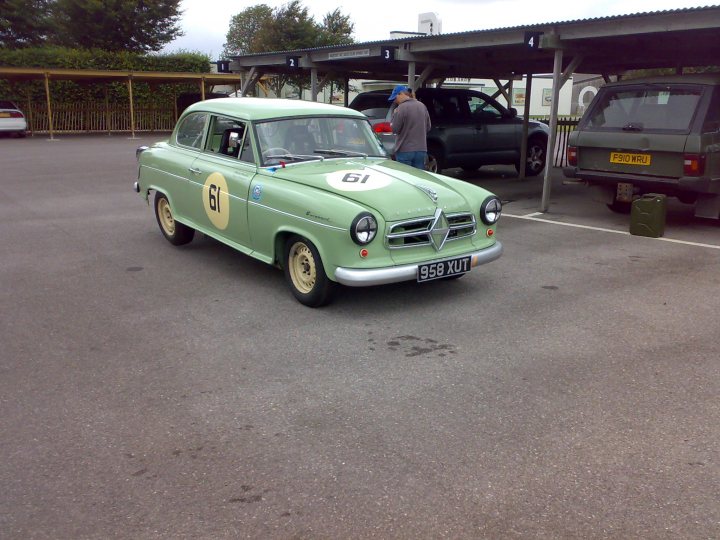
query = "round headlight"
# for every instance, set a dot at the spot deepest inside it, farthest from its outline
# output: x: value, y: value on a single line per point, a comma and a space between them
x: 490, y: 210
x: 363, y: 229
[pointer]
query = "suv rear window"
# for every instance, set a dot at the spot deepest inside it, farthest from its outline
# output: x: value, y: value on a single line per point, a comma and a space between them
x: 645, y: 108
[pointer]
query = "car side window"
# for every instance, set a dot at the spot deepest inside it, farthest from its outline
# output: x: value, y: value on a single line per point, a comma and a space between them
x: 481, y: 109
x: 712, y: 119
x: 190, y: 132
x: 226, y: 136
x: 246, y: 154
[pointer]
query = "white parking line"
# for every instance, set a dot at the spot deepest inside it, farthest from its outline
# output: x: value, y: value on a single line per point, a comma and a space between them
x: 532, y: 217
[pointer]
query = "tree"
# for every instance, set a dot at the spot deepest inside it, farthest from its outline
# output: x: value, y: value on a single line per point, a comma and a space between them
x: 336, y: 29
x: 244, y: 28
x: 289, y: 27
x: 131, y: 25
x: 24, y: 23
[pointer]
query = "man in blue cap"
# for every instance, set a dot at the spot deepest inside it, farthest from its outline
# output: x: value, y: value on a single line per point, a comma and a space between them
x: 410, y: 122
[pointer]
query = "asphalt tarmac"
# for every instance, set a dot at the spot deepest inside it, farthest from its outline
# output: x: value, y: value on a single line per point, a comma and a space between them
x: 567, y: 390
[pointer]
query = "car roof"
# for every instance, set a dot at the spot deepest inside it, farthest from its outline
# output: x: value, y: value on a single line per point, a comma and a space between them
x: 689, y: 78
x: 249, y: 108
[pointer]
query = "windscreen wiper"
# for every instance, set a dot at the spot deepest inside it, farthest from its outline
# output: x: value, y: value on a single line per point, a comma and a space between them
x: 294, y: 157
x: 334, y: 152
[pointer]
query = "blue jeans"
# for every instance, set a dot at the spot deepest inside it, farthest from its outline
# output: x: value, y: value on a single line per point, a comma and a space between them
x: 414, y: 159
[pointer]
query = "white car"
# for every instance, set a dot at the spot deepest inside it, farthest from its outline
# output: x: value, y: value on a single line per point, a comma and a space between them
x: 12, y: 120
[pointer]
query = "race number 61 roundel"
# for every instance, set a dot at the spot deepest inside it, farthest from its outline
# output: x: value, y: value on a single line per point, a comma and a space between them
x: 216, y: 200
x: 358, y: 180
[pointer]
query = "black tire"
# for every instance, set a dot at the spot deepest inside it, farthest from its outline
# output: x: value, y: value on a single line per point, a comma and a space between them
x: 620, y: 207
x: 175, y: 232
x: 435, y: 161
x: 305, y: 273
x: 536, y: 156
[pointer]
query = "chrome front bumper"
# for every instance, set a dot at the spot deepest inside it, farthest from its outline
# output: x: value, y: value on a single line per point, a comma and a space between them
x: 353, y: 277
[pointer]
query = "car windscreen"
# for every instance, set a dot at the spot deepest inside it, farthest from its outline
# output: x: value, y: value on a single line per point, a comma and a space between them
x: 651, y: 107
x: 308, y: 138
x: 7, y: 105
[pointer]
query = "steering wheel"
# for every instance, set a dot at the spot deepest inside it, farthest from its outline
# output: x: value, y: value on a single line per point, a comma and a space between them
x: 274, y: 151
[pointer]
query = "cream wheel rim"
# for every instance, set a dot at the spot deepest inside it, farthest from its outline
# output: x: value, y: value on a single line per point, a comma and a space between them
x: 302, y: 268
x: 166, y: 218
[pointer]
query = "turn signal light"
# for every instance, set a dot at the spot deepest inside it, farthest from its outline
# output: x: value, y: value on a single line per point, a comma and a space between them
x: 382, y: 127
x: 693, y: 164
x: 572, y: 155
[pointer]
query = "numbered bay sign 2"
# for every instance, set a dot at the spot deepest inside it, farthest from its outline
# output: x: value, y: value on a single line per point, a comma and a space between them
x: 216, y: 200
x: 292, y: 62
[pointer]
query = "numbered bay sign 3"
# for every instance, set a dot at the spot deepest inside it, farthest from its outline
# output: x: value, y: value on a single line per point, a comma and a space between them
x: 216, y: 200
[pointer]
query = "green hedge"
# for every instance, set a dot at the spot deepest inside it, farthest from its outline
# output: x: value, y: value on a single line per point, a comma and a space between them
x: 68, y: 91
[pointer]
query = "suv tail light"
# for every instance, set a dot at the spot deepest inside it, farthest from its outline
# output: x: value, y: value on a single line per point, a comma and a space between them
x: 382, y: 127
x: 16, y: 114
x: 572, y: 154
x: 693, y: 164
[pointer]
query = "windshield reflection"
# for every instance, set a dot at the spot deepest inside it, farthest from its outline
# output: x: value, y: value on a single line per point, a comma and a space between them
x: 315, y: 138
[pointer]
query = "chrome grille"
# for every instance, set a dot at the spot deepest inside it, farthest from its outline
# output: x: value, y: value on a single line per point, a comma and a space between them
x: 416, y: 232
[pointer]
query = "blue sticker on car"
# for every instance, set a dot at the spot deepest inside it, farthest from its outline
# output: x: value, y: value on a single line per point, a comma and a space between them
x: 257, y: 193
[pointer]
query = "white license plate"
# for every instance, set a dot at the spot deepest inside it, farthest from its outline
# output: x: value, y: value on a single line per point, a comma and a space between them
x: 441, y: 269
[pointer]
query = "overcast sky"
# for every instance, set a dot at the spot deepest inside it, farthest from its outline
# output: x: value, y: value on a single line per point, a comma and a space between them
x: 205, y: 22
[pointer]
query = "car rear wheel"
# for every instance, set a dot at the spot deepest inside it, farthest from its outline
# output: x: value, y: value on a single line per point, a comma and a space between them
x: 535, y: 159
x: 176, y: 233
x: 305, y: 273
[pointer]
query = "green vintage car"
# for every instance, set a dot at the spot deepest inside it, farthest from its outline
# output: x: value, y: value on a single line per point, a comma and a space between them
x: 308, y: 188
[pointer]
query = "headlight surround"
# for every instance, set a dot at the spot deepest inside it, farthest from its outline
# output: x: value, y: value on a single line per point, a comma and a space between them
x: 490, y: 210
x: 363, y: 229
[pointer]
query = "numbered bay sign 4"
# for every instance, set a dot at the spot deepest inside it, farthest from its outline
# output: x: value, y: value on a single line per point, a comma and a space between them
x: 358, y: 181
x: 216, y: 200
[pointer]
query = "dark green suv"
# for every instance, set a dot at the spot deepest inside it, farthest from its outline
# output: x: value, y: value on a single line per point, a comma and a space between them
x: 469, y: 129
x: 652, y: 135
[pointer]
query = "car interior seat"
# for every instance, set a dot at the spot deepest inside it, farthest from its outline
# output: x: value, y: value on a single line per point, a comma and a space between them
x: 225, y: 147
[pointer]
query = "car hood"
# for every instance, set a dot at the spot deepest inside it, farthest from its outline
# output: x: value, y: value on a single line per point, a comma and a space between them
x: 395, y: 190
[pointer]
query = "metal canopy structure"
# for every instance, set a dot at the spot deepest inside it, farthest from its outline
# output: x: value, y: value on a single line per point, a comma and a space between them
x: 104, y: 76
x: 608, y: 46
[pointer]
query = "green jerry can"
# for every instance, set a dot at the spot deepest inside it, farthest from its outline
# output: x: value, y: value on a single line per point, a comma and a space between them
x: 647, y: 217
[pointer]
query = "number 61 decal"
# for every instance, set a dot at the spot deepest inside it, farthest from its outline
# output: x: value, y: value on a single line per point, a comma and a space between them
x: 216, y: 200
x: 358, y: 180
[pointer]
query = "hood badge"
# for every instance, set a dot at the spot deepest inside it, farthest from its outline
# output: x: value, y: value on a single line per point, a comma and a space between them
x: 439, y: 230
x: 429, y: 192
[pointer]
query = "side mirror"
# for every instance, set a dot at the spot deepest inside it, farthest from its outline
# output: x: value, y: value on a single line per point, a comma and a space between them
x: 512, y: 112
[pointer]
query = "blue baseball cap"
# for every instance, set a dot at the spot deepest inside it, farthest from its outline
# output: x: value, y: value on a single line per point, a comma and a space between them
x: 398, y: 90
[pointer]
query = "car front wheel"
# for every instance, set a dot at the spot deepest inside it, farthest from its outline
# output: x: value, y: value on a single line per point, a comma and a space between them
x: 176, y: 233
x: 305, y: 273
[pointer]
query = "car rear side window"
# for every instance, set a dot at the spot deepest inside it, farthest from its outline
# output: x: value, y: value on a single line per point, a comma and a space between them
x: 646, y: 108
x: 190, y: 132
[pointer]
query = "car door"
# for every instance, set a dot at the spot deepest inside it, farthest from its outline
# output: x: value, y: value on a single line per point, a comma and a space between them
x: 498, y: 132
x: 451, y: 125
x: 221, y: 179
x: 175, y: 163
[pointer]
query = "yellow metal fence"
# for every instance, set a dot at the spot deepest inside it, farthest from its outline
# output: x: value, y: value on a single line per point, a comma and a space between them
x: 92, y: 117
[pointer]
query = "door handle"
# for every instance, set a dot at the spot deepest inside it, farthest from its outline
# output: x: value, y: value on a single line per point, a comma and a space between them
x: 194, y: 170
